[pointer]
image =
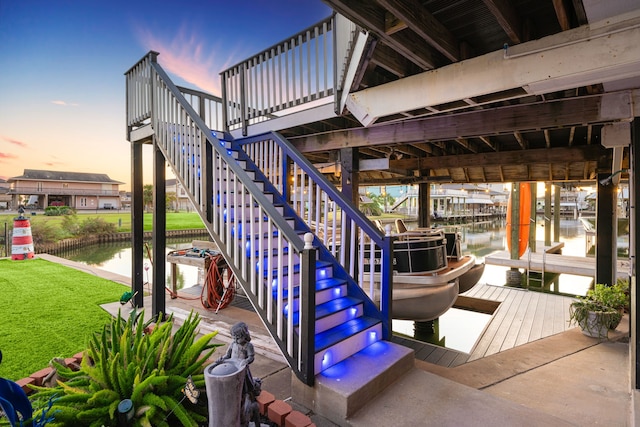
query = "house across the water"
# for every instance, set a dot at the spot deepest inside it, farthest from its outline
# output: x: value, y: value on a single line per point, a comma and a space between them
x: 38, y: 189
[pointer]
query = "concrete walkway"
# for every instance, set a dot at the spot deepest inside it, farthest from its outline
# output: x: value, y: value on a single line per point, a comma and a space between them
x: 563, y: 380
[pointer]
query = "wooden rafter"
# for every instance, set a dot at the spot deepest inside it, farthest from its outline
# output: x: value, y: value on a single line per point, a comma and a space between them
x: 463, y: 142
x: 369, y: 15
x: 495, y: 121
x: 561, y: 13
x: 521, y: 141
x: 487, y: 141
x: 420, y: 21
x: 547, y: 138
x: 581, y: 153
x: 572, y: 134
x: 507, y: 18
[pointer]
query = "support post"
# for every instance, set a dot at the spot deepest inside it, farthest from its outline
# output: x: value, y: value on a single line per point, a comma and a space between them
x: 349, y: 160
x: 307, y: 311
x: 556, y: 213
x: 159, y: 232
x: 350, y: 181
x: 634, y: 240
x: 606, y: 231
x: 386, y: 286
x: 547, y: 213
x: 532, y: 219
x: 515, y: 220
x: 424, y: 205
x: 137, y: 225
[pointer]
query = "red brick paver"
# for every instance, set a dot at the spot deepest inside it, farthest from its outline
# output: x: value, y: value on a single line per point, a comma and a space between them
x: 277, y: 411
x: 297, y: 419
x: 264, y: 400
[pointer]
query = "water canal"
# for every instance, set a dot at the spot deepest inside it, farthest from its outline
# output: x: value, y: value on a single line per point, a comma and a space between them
x: 456, y: 329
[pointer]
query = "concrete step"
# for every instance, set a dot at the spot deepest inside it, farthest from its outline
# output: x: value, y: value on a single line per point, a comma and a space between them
x: 345, y: 388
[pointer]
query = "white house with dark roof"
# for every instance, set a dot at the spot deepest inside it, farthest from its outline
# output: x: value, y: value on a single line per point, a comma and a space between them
x: 181, y: 202
x: 83, y: 191
x: 5, y: 197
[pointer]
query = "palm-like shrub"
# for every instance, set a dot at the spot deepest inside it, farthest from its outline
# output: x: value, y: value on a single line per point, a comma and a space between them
x: 123, y: 362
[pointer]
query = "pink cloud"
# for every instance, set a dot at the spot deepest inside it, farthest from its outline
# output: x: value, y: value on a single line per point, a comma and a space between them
x: 15, y: 142
x: 7, y: 156
x: 64, y: 103
x: 185, y: 57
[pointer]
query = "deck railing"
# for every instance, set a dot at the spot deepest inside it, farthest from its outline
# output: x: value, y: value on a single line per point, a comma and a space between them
x: 241, y: 219
x: 300, y: 70
x: 345, y: 231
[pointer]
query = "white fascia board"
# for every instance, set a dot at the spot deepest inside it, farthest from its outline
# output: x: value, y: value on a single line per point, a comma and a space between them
x: 141, y: 133
x: 356, y: 56
x: 604, y: 51
x: 301, y: 117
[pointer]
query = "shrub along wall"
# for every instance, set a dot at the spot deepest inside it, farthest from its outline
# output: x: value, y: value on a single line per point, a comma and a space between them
x: 67, y: 244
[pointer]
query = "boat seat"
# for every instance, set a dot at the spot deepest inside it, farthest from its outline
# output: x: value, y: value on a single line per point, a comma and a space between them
x: 400, y: 226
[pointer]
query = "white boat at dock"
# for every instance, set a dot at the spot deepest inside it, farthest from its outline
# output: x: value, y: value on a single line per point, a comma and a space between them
x: 429, y: 273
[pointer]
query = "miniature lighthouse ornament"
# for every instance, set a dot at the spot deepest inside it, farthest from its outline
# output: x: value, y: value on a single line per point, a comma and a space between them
x: 22, y: 242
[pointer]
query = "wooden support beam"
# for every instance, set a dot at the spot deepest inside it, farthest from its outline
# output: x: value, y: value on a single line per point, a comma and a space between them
x: 495, y: 121
x: 420, y: 21
x: 525, y: 157
x: 507, y: 17
x: 371, y: 16
x: 613, y: 44
x: 561, y: 13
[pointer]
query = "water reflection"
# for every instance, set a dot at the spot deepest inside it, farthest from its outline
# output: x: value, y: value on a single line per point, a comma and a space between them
x: 459, y: 329
x: 456, y: 329
x: 116, y: 258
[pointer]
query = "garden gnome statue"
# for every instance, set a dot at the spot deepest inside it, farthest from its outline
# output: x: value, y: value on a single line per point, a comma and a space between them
x: 242, y: 350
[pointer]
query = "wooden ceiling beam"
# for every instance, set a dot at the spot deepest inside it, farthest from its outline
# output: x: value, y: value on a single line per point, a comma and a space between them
x: 466, y: 144
x: 547, y: 138
x: 521, y: 140
x: 581, y: 14
x: 392, y: 24
x: 519, y: 157
x: 572, y: 134
x: 507, y: 17
x: 561, y: 13
x: 495, y: 121
x: 424, y: 147
x: 424, y: 24
x: 370, y: 15
x: 392, y: 61
x: 488, y: 142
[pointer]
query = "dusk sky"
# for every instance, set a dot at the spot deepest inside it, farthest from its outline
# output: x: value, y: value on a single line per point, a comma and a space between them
x: 62, y: 65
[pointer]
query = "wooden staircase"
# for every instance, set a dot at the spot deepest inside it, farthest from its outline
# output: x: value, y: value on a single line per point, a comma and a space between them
x: 295, y: 244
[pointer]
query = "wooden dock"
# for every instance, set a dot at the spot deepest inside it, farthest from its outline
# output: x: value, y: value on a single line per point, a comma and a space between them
x: 521, y: 317
x: 553, y: 263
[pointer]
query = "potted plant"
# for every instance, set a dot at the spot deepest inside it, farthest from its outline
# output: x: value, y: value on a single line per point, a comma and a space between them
x: 600, y: 310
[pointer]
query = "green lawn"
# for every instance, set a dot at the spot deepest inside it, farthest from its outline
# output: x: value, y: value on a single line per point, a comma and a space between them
x: 48, y: 310
x: 175, y: 221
